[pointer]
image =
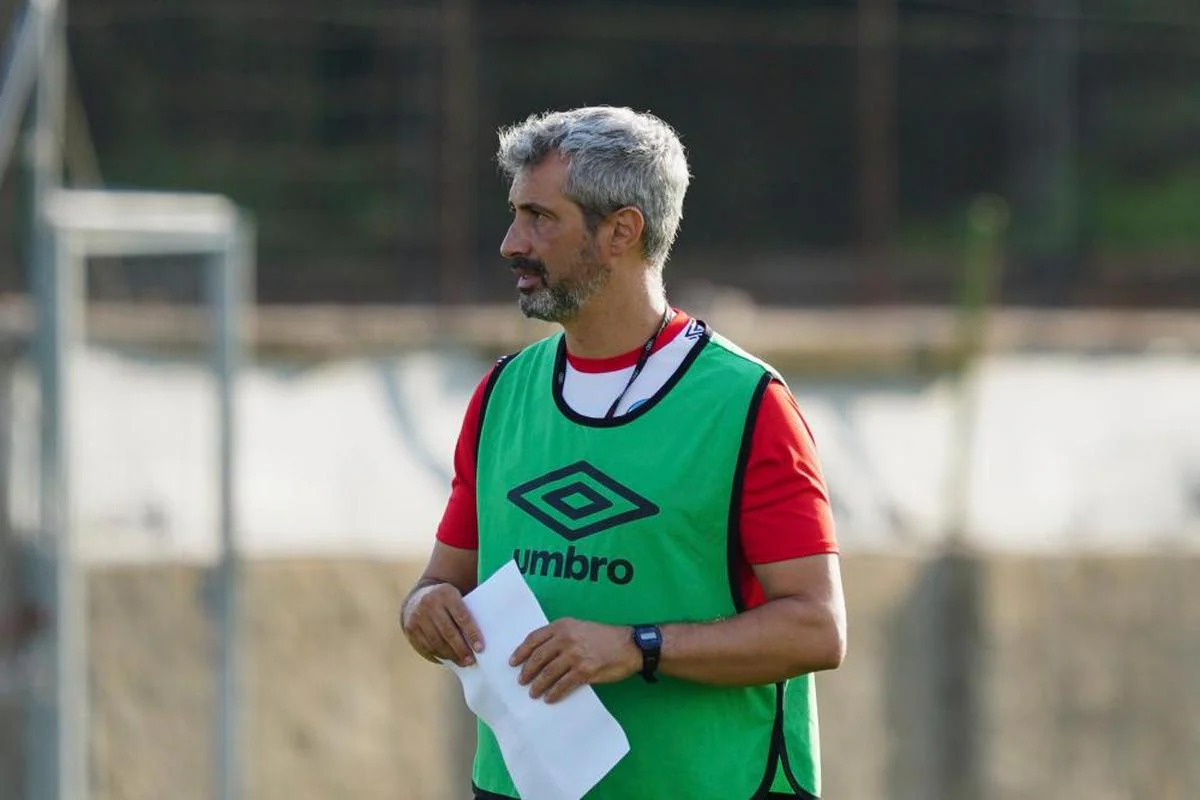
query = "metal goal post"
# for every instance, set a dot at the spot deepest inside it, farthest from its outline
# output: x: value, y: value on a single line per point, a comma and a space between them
x: 81, y: 224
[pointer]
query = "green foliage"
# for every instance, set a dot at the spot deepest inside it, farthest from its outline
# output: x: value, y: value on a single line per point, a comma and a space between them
x: 1158, y: 213
x: 1155, y: 214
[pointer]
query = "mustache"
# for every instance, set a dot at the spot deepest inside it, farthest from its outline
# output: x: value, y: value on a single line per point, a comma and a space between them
x: 523, y: 264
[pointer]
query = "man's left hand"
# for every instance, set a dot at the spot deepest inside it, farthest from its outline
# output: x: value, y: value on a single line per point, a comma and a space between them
x: 568, y: 653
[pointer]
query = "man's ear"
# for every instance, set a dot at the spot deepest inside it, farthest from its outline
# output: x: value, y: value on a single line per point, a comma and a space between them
x: 627, y: 227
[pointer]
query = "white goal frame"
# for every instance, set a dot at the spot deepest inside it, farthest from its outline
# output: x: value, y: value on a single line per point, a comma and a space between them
x: 81, y: 224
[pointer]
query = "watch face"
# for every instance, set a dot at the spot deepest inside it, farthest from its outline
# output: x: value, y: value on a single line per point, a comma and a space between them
x: 648, y: 637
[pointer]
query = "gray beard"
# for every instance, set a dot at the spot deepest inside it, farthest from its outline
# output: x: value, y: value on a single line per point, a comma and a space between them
x: 561, y: 301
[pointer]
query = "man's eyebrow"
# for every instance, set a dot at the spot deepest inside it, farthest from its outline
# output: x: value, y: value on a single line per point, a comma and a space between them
x: 538, y: 207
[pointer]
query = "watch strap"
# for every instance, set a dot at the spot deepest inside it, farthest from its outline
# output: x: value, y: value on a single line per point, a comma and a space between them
x: 648, y: 639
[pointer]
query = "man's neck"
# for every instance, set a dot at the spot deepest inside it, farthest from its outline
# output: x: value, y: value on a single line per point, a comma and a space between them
x: 609, y: 329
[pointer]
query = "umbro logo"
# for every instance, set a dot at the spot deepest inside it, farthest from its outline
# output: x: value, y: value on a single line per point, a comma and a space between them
x: 579, y: 500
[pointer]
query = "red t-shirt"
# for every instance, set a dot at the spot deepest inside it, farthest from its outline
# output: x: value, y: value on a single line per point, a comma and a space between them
x: 785, y: 510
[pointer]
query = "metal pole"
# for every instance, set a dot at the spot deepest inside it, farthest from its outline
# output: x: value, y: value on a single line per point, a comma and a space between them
x: 227, y: 278
x: 56, y: 750
x: 43, y: 751
x: 47, y: 19
x: 72, y: 670
x: 19, y: 74
x: 58, y: 758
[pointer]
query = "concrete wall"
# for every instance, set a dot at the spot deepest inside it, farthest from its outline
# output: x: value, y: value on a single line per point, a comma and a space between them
x: 1091, y: 678
x: 1006, y: 678
x: 375, y: 483
x: 996, y: 679
x: 335, y: 704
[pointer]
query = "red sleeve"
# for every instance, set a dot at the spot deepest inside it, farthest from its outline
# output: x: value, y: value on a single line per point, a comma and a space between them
x: 785, y: 506
x: 460, y: 521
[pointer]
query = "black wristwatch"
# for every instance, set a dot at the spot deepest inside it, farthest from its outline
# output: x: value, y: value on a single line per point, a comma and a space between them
x: 648, y: 639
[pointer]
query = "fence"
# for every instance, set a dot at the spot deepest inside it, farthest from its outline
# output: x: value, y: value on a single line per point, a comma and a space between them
x: 835, y: 147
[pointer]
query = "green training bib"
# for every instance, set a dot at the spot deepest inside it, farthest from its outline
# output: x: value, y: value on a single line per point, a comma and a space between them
x: 634, y: 520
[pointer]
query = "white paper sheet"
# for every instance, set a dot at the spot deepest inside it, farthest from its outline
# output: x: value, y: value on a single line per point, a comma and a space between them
x: 553, y: 751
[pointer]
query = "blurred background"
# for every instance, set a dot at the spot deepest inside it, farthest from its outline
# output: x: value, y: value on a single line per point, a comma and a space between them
x: 966, y: 231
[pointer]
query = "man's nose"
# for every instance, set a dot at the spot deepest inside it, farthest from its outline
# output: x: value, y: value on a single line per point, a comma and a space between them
x: 514, y: 243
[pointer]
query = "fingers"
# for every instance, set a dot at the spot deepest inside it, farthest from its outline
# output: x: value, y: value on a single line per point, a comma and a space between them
x: 440, y: 626
x: 553, y: 673
x: 452, y: 639
x: 421, y: 645
x: 542, y: 655
x: 466, y: 624
x: 552, y: 663
x: 533, y: 641
x: 569, y: 682
x: 568, y: 653
x: 549, y: 676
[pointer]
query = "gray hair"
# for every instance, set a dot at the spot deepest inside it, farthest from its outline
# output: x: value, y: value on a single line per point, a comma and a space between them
x: 616, y: 157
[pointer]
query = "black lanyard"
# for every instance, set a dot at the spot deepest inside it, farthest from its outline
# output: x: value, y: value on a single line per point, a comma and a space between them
x: 647, y: 349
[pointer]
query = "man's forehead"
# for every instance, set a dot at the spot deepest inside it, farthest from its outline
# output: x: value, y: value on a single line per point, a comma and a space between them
x: 541, y: 181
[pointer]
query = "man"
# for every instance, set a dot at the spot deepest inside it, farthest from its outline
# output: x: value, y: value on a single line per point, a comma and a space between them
x: 657, y: 487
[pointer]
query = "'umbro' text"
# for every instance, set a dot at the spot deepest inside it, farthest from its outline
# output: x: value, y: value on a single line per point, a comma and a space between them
x: 573, y: 566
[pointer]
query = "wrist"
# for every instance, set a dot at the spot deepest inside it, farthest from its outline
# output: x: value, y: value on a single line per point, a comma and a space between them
x: 648, y: 640
x: 420, y: 590
x: 632, y: 655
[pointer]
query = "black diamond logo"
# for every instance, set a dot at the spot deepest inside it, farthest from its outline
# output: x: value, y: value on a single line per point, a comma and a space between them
x: 579, y: 500
x: 561, y: 500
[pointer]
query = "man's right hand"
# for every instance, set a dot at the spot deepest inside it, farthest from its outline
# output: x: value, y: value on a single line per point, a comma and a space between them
x: 439, y: 626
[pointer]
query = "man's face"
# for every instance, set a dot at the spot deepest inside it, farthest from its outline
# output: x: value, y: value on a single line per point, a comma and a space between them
x: 555, y: 258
